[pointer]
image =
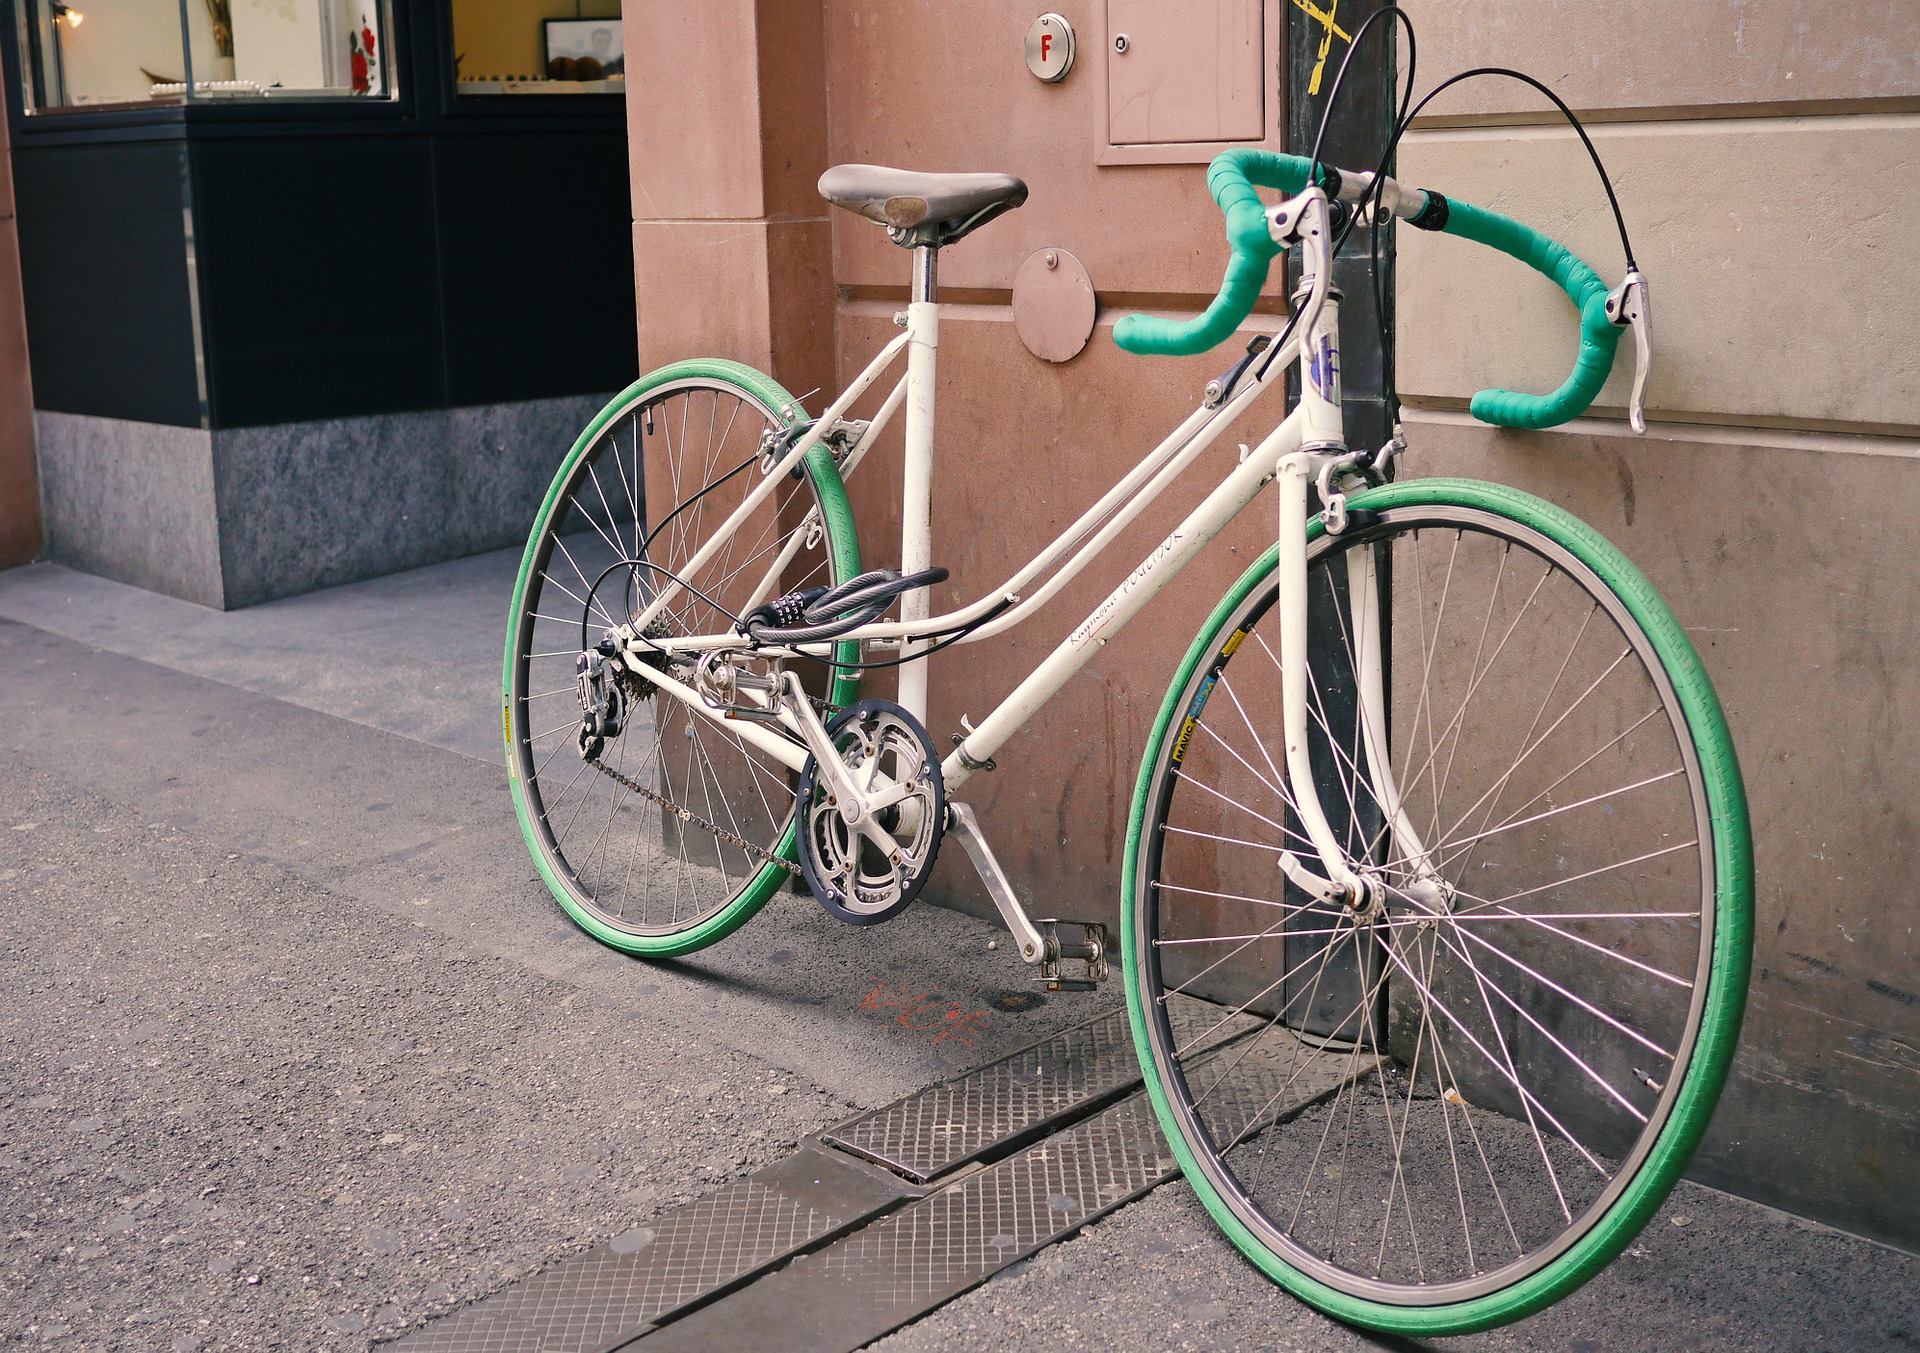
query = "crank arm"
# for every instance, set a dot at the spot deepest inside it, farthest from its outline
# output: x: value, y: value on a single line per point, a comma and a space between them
x: 814, y: 733
x: 1033, y: 949
x: 855, y: 805
x: 896, y: 792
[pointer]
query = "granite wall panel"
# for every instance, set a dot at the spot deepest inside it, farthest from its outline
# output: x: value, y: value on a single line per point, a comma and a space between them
x: 132, y: 501
x: 1633, y: 59
x: 310, y: 505
x: 1787, y: 558
x: 238, y: 516
x: 1767, y: 312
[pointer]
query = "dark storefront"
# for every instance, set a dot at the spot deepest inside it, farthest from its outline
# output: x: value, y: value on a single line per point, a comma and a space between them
x: 321, y: 292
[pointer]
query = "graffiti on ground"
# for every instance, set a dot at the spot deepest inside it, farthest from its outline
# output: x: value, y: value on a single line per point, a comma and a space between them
x: 927, y: 1010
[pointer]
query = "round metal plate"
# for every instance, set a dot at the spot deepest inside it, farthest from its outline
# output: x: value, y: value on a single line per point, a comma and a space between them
x: 1053, y: 305
x: 1050, y: 48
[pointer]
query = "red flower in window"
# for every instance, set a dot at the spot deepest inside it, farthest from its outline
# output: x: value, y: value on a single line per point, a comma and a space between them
x: 360, y: 57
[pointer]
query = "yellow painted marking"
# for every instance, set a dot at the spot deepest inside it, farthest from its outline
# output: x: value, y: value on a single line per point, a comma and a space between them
x: 1325, y: 19
x: 1233, y: 643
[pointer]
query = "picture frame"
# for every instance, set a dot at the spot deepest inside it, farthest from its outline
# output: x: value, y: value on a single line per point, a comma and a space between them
x: 594, y: 44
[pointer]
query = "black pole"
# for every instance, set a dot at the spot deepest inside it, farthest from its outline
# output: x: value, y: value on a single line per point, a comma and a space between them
x: 1316, y: 43
x: 1323, y: 1000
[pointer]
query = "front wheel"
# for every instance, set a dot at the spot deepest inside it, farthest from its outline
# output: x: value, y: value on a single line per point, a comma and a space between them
x: 1450, y: 1103
x: 673, y: 834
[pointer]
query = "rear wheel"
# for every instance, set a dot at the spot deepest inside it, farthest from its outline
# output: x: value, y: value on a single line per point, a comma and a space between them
x: 1447, y: 1108
x: 632, y: 872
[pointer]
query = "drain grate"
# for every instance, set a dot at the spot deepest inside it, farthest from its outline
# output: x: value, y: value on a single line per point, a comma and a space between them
x: 905, y: 1264
x: 988, y: 1111
x: 690, y: 1253
x: 944, y: 1126
x: 702, y: 1276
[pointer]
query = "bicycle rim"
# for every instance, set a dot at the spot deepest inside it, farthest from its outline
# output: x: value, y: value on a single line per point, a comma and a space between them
x: 633, y: 873
x: 1446, y: 1114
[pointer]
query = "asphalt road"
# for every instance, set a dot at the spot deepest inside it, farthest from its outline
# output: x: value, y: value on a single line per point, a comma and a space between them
x: 295, y: 1052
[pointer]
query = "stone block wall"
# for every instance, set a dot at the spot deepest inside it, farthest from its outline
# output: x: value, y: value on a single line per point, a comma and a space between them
x: 1767, y: 159
x: 19, y: 485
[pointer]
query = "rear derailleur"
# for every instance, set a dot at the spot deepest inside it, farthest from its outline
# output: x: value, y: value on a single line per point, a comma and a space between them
x: 608, y: 688
x: 603, y: 699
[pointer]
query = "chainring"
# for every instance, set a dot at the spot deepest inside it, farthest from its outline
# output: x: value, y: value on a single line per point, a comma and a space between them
x: 853, y: 877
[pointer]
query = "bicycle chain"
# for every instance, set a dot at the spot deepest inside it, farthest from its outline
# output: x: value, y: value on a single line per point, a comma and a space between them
x: 690, y: 817
x: 825, y: 708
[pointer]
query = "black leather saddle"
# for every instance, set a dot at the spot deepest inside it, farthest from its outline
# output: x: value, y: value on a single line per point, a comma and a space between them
x: 921, y: 208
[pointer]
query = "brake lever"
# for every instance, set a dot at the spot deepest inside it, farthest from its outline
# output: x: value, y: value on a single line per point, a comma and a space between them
x: 1627, y: 305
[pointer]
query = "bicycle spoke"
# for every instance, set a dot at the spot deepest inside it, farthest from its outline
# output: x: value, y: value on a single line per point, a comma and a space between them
x: 640, y: 867
x: 1457, y: 1087
x: 1232, y: 897
x: 1550, y: 1036
x: 1226, y: 840
x: 1187, y: 778
x: 1587, y: 802
x: 1504, y: 1066
x: 1543, y: 738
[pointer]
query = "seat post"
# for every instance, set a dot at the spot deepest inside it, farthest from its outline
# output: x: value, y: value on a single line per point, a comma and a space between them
x: 926, y: 265
x: 916, y: 508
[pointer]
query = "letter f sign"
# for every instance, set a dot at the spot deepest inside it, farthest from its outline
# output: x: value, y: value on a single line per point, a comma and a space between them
x: 1046, y: 44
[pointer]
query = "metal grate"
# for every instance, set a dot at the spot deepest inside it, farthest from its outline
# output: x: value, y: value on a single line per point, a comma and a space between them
x: 689, y: 1253
x: 939, y: 1129
x: 870, y: 1280
x: 961, y: 1234
x: 942, y: 1127
x: 905, y: 1264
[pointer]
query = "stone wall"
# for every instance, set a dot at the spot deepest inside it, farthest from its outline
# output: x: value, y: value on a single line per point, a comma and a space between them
x: 19, y: 486
x: 235, y: 516
x: 1767, y: 159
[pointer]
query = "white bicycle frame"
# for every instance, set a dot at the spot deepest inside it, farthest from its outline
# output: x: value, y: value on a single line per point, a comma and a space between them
x: 1295, y: 453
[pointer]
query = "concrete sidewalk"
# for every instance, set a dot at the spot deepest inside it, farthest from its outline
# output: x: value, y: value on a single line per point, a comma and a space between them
x: 298, y: 1053
x: 417, y: 654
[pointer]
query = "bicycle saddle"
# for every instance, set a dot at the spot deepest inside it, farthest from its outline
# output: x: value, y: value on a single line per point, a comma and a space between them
x: 921, y: 208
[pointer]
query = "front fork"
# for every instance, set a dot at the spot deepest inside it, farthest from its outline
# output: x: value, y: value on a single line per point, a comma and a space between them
x: 1340, y: 882
x: 1323, y: 457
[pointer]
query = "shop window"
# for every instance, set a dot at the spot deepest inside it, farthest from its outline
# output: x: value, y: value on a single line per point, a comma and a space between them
x: 538, y: 47
x: 90, y: 53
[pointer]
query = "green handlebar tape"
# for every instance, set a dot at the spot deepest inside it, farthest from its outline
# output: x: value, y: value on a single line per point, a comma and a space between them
x: 1599, y: 336
x: 1231, y: 179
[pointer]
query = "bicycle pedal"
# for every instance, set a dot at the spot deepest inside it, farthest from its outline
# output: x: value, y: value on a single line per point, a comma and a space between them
x: 1089, y: 951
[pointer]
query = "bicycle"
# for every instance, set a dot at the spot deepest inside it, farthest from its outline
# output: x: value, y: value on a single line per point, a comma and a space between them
x: 1436, y: 915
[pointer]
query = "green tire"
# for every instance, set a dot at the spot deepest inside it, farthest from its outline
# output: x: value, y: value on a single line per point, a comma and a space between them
x: 1731, y: 907
x: 843, y: 551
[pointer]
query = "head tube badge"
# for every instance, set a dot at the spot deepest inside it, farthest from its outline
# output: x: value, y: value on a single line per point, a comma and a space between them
x: 1323, y: 368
